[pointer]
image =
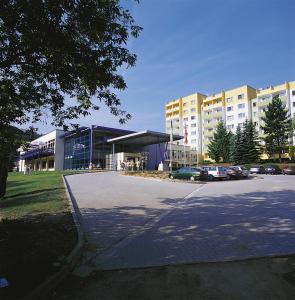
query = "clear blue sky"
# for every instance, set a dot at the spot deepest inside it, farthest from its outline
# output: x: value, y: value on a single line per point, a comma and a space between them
x: 206, y: 46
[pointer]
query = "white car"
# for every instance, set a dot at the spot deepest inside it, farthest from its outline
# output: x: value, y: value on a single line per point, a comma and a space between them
x: 242, y: 169
x: 216, y: 172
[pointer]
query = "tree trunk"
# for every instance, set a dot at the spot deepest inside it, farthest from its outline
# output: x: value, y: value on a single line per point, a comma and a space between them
x: 3, y: 176
x: 280, y: 157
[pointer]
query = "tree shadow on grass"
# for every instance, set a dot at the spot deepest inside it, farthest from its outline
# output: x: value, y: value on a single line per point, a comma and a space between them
x: 28, y: 198
x: 28, y: 248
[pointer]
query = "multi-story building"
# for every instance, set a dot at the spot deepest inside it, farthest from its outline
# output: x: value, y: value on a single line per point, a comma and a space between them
x: 202, y: 113
x: 184, y: 114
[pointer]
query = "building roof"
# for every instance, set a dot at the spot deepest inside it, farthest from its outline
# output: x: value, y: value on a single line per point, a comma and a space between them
x: 97, y: 128
x: 144, y: 138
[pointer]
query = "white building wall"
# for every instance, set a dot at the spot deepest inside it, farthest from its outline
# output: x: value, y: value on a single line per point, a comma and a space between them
x: 55, y: 135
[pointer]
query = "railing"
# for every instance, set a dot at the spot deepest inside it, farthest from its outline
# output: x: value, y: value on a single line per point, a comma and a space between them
x: 36, y: 153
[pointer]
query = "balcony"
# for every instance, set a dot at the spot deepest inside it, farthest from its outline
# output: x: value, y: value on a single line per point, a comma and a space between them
x: 209, y: 125
x: 217, y: 114
x: 208, y: 117
x: 37, y: 153
x: 209, y: 133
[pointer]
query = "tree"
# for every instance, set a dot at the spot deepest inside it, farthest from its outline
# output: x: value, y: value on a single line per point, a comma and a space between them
x: 277, y: 127
x: 62, y: 58
x: 219, y: 147
x: 237, y: 146
x: 11, y: 138
x: 250, y: 149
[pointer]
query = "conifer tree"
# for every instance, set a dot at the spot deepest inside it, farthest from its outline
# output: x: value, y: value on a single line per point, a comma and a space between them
x: 250, y: 150
x: 219, y: 147
x: 277, y: 127
x: 238, y: 152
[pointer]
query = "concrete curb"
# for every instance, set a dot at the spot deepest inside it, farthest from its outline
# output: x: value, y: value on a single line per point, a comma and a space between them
x: 41, y: 291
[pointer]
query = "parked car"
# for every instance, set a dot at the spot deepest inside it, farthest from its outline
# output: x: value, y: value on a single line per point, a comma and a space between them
x: 257, y: 170
x: 189, y: 173
x: 289, y: 170
x: 272, y: 169
x: 216, y: 172
x: 234, y: 173
x: 243, y: 170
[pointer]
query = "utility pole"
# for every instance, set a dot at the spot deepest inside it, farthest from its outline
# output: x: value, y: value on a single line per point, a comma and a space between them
x: 171, y: 140
x: 184, y: 143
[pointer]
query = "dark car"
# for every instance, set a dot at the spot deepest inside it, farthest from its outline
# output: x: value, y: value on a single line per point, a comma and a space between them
x: 257, y: 170
x: 290, y: 170
x: 189, y: 173
x: 234, y: 173
x: 272, y: 169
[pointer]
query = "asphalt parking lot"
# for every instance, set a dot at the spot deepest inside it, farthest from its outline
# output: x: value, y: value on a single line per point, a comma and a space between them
x: 135, y: 222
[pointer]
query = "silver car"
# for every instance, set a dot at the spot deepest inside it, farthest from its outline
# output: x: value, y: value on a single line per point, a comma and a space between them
x: 216, y: 172
x: 245, y: 172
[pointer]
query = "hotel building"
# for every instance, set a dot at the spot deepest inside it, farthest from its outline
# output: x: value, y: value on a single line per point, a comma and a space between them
x: 200, y: 113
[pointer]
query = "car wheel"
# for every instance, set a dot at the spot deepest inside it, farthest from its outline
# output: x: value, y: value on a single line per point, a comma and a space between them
x: 192, y: 178
x: 211, y: 177
x: 171, y: 177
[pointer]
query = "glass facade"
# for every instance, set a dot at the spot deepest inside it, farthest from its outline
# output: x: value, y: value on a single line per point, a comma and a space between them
x: 77, y: 151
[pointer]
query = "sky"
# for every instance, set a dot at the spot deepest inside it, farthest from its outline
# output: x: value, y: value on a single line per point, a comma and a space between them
x: 205, y: 46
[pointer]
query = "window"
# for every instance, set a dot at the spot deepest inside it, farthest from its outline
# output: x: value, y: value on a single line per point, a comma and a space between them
x: 254, y: 104
x: 293, y: 104
x: 185, y: 111
x: 242, y: 105
x: 229, y: 99
x: 230, y: 118
x: 241, y: 115
x: 51, y: 164
x: 293, y: 93
x: 193, y: 110
x: 193, y: 101
x: 193, y: 133
x: 240, y: 124
x: 254, y: 114
x: 230, y: 127
x: 241, y: 96
x: 193, y: 117
x: 184, y: 104
x: 230, y: 108
x: 193, y: 125
x: 185, y: 119
x: 193, y: 141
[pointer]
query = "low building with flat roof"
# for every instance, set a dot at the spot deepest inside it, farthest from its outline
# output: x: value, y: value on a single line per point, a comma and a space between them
x: 96, y: 147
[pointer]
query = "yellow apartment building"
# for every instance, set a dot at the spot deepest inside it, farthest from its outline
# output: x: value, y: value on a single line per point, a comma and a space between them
x: 200, y: 113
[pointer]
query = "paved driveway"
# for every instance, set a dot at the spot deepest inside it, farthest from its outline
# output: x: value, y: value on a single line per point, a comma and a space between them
x: 140, y: 222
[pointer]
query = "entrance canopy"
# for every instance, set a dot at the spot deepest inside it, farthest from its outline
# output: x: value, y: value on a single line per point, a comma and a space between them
x: 143, y: 138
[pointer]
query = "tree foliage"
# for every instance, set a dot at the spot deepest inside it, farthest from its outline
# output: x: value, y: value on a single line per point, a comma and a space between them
x: 219, y: 147
x: 241, y: 147
x: 62, y: 59
x: 250, y: 149
x: 50, y: 49
x: 277, y: 127
x: 236, y: 153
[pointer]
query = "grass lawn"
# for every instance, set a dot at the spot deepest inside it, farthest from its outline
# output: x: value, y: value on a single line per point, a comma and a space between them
x: 36, y: 230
